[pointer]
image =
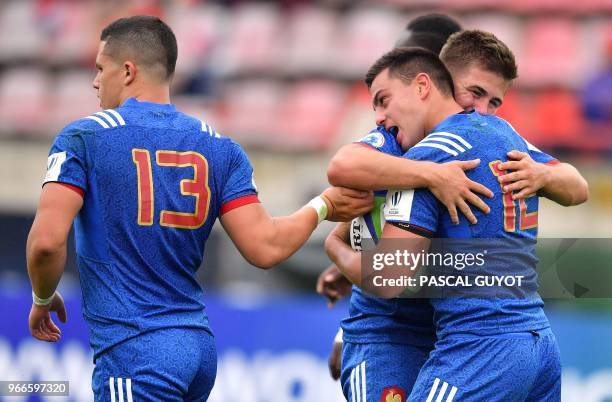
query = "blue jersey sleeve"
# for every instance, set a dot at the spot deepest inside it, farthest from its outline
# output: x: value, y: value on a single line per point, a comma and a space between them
x: 240, y: 181
x: 67, y: 161
x: 418, y: 210
x: 382, y: 140
x: 539, y: 156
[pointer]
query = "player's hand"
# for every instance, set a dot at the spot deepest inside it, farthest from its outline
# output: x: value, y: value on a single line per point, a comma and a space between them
x: 335, y: 360
x: 450, y: 185
x: 527, y: 178
x: 42, y: 326
x: 333, y: 285
x: 344, y: 204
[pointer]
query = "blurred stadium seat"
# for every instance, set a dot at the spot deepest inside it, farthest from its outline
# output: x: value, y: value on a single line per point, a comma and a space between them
x: 254, y: 40
x: 20, y: 36
x: 360, y: 44
x: 24, y: 101
x: 74, y: 98
x: 310, y: 32
x: 550, y: 52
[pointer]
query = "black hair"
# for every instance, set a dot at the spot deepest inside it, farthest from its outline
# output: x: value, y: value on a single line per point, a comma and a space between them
x: 407, y: 62
x: 145, y: 38
x: 429, y: 31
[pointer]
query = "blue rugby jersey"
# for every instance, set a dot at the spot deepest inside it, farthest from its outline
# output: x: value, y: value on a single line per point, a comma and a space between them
x: 467, y: 136
x: 377, y: 320
x: 154, y: 182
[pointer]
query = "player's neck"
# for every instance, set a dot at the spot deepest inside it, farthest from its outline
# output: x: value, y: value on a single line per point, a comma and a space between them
x: 150, y: 93
x: 447, y: 107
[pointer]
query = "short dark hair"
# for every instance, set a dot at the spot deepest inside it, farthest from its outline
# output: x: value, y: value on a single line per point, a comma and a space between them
x: 146, y: 38
x: 407, y: 62
x: 429, y: 31
x: 482, y: 48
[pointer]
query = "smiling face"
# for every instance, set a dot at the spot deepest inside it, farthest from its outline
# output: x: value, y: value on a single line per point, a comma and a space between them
x: 398, y: 104
x: 109, y: 79
x: 479, y: 89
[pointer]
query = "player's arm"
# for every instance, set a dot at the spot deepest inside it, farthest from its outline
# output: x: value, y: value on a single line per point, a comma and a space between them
x: 361, y: 166
x: 333, y: 285
x: 46, y: 255
x: 559, y: 182
x: 341, y: 253
x: 266, y: 241
x: 349, y: 262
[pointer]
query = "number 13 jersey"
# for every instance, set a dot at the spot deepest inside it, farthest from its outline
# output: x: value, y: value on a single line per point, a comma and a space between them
x: 153, y: 180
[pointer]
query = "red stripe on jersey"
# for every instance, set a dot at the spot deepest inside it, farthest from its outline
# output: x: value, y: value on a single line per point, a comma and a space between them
x: 76, y: 189
x: 239, y: 202
x: 553, y: 162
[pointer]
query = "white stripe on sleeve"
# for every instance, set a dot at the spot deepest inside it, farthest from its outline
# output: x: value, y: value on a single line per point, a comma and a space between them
x: 117, y: 116
x: 98, y: 120
x: 439, y: 146
x: 107, y: 117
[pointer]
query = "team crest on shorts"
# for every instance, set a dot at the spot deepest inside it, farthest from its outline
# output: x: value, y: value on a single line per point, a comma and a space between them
x: 393, y: 394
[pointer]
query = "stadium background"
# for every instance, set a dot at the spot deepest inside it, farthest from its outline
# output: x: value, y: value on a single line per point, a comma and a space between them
x: 283, y: 79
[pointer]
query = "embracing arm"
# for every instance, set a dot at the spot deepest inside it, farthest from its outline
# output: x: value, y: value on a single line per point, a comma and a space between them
x: 359, y: 166
x: 560, y: 182
x: 340, y: 252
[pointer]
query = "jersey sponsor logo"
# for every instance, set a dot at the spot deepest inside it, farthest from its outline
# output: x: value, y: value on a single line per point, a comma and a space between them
x: 398, y: 205
x: 376, y: 140
x: 54, y: 166
x: 393, y: 394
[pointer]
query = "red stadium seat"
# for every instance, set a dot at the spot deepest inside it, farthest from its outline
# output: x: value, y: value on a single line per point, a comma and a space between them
x: 366, y: 34
x: 550, y: 52
x: 73, y: 98
x: 23, y: 101
x: 255, y: 42
x: 312, y: 33
x: 251, y: 111
x: 310, y: 114
x: 558, y: 118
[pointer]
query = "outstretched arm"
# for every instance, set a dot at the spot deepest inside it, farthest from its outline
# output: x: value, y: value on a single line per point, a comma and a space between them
x: 561, y: 182
x: 360, y: 166
x: 266, y: 241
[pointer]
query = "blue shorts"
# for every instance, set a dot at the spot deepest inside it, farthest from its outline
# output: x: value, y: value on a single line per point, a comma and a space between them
x: 171, y: 364
x: 380, y: 371
x: 522, y: 366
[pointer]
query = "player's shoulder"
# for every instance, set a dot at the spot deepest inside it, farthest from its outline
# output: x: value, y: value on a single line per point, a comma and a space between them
x: 383, y: 140
x: 444, y: 143
x: 97, y: 121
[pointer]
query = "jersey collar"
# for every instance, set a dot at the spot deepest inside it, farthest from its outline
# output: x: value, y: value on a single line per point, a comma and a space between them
x: 133, y: 102
x: 458, y: 118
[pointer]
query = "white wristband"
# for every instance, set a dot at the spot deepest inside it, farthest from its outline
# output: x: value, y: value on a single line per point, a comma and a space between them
x: 40, y: 301
x: 319, y: 205
x: 338, y: 338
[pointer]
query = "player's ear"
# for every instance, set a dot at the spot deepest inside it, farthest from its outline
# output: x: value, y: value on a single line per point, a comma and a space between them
x: 423, y: 85
x: 129, y: 72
